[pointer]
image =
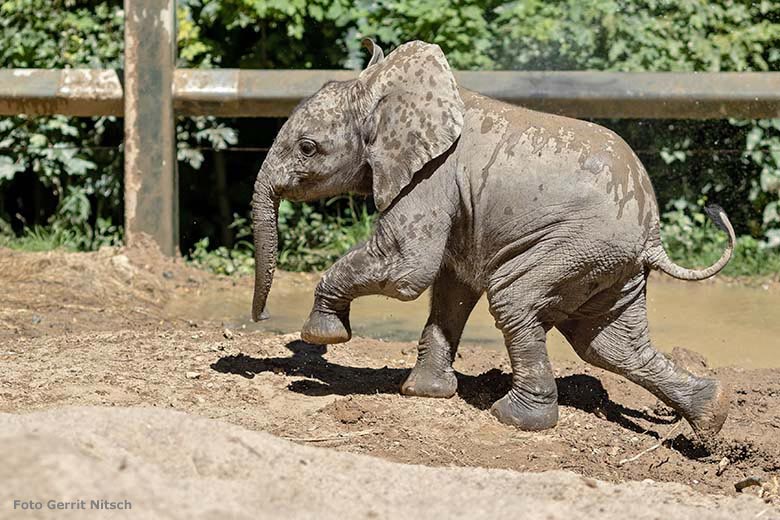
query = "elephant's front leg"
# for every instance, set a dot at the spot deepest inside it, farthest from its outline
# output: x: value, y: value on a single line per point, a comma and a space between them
x: 390, y: 264
x: 451, y: 303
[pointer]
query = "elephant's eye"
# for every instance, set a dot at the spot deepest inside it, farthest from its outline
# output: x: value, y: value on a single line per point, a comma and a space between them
x: 307, y: 147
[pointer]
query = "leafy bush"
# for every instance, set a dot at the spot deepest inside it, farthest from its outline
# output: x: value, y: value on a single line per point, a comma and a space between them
x: 39, y: 238
x: 73, y: 166
x: 223, y: 260
x: 309, y: 238
x: 64, y: 154
x: 312, y: 238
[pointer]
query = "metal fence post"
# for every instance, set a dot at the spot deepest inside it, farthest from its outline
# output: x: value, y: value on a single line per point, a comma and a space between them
x: 151, y: 181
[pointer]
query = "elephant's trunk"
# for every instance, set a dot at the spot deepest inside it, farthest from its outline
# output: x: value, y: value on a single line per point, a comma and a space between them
x: 265, y: 212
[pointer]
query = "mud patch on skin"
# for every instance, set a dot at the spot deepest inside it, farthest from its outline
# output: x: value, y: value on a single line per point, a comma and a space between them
x: 628, y: 181
x: 487, y: 124
x: 533, y: 138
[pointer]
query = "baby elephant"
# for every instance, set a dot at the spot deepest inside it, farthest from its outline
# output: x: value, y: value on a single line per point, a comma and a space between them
x: 553, y: 217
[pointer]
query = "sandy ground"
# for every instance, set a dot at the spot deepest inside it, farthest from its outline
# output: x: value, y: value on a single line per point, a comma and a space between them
x: 96, y: 330
x: 162, y: 463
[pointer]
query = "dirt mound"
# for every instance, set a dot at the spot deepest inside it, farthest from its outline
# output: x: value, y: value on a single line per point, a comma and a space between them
x: 61, y: 292
x: 172, y: 465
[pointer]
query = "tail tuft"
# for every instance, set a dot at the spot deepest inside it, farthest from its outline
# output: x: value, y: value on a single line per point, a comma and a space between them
x: 718, y: 216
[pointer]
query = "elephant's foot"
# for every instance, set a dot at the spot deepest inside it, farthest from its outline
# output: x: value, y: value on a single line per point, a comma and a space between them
x: 516, y: 411
x: 708, y: 408
x: 428, y: 382
x: 324, y: 328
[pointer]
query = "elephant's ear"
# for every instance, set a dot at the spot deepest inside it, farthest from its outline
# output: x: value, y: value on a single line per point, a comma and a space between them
x: 414, y: 114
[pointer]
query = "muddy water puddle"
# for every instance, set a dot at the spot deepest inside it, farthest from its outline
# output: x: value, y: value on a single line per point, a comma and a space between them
x: 729, y: 324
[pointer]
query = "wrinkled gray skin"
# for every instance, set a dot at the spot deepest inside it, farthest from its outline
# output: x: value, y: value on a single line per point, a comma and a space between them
x: 554, y: 218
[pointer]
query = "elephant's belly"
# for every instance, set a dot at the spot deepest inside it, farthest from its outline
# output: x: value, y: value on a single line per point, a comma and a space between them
x: 559, y: 267
x: 468, y: 267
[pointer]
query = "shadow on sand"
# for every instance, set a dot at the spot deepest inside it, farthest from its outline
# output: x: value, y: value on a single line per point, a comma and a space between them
x: 323, y: 377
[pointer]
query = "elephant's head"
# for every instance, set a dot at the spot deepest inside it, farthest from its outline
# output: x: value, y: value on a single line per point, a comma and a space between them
x: 368, y: 135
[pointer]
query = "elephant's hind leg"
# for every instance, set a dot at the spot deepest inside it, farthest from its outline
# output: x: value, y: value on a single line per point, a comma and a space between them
x: 618, y: 341
x: 451, y: 303
x: 532, y: 402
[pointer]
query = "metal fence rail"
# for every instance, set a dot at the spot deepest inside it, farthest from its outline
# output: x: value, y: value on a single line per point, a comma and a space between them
x: 645, y: 95
x: 73, y: 92
x: 274, y: 93
x: 153, y: 91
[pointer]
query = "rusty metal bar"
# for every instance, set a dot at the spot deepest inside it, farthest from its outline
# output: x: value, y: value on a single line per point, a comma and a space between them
x: 274, y: 93
x: 76, y: 92
x: 660, y: 95
x: 151, y: 181
x: 248, y: 93
x: 641, y: 95
x: 645, y: 95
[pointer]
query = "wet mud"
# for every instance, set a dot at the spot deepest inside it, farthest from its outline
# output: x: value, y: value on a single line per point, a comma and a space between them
x: 728, y: 323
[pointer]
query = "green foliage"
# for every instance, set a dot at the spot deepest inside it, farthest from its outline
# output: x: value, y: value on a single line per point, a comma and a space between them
x: 310, y: 238
x: 461, y: 28
x: 735, y: 163
x: 268, y: 33
x: 57, y: 236
x: 237, y: 260
x: 637, y: 35
x: 78, y: 161
x: 45, y: 34
x: 763, y: 149
x: 59, y: 150
x: 41, y: 239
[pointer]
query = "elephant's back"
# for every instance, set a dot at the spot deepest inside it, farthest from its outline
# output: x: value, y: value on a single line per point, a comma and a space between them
x: 533, y: 178
x: 517, y: 159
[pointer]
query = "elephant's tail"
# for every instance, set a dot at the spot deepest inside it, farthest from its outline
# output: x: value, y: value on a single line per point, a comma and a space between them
x: 656, y: 257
